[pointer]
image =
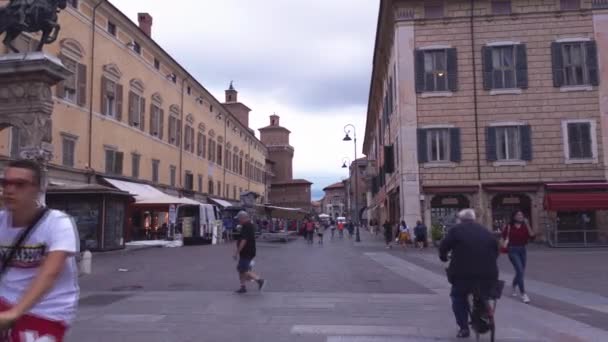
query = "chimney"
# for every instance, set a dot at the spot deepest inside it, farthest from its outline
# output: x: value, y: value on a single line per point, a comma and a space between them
x: 145, y: 23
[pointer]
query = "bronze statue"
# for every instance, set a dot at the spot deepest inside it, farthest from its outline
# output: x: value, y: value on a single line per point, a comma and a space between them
x: 31, y: 16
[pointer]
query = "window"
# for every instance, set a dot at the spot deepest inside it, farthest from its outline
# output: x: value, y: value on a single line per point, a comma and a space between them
x: 73, y: 88
x: 219, y: 188
x: 211, y: 154
x: 234, y: 192
x: 135, y: 158
x: 438, y: 145
x: 189, y: 181
x: 189, y: 139
x: 172, y: 172
x: 73, y: 3
x: 219, y: 155
x: 200, y: 183
x: 157, y: 118
x: 137, y: 110
x: 235, y: 163
x: 156, y: 64
x: 111, y: 99
x: 505, y: 67
x: 68, y: 145
x: 210, y: 186
x: 155, y: 169
x: 136, y: 47
x: 501, y: 7
x: 227, y: 192
x: 202, y: 145
x: 580, y: 140
x: 436, y: 70
x: 228, y: 158
x: 574, y: 63
x: 111, y: 28
x: 189, y: 90
x: 114, y: 161
x: 433, y: 10
x: 569, y: 5
x: 175, y: 131
x: 509, y: 143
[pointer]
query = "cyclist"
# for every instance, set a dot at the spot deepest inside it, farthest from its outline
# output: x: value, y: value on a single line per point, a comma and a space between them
x: 473, y: 267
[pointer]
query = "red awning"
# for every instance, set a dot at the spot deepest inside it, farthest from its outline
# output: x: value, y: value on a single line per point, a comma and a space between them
x: 576, y: 201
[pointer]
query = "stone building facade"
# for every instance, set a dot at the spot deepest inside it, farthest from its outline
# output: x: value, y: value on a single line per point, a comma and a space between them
x: 284, y: 190
x: 334, y: 203
x: 493, y: 105
x: 131, y: 112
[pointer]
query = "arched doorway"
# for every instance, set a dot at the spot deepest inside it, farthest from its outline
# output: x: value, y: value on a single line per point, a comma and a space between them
x: 503, y: 206
x: 445, y: 208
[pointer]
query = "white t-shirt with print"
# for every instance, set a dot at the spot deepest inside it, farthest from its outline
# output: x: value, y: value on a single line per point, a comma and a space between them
x: 56, y: 232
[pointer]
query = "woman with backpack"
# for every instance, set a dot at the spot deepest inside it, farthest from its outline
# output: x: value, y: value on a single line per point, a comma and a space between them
x: 515, y: 237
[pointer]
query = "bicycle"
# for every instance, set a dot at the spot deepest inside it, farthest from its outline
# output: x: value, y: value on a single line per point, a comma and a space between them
x: 481, y: 311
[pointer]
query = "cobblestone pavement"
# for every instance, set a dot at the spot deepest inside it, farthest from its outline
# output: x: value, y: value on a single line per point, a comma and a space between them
x: 337, y: 292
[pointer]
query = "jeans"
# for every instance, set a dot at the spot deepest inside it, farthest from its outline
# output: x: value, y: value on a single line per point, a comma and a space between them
x: 461, y: 288
x: 518, y: 257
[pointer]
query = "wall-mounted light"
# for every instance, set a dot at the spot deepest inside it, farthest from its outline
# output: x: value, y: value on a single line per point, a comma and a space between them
x: 199, y: 100
x: 130, y: 44
x: 172, y: 77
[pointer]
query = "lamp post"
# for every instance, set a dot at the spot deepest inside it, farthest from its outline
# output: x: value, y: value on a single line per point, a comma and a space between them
x: 347, y: 138
x: 348, y: 203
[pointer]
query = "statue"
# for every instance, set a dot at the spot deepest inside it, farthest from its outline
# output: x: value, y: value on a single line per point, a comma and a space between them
x: 31, y: 16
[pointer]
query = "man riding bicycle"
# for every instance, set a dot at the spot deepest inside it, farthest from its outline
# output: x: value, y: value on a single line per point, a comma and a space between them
x: 473, y: 267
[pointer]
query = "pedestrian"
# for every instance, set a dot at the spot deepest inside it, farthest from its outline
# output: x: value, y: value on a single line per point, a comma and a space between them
x: 351, y: 229
x: 515, y: 237
x: 404, y: 234
x: 321, y: 231
x: 245, y: 253
x: 332, y: 225
x: 341, y: 229
x: 388, y: 233
x: 420, y: 232
x: 39, y: 275
x: 310, y: 231
x: 473, y: 265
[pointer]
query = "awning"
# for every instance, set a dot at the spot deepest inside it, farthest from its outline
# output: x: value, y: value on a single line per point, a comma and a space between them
x: 576, y: 201
x: 147, y: 194
x: 577, y: 186
x: 221, y: 203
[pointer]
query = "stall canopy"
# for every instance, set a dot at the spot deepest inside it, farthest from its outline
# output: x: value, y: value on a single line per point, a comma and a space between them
x: 146, y: 194
x: 281, y: 212
x: 572, y: 201
x: 221, y: 203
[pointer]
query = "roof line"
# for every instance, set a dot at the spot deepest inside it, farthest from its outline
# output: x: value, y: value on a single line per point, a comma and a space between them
x: 371, y: 83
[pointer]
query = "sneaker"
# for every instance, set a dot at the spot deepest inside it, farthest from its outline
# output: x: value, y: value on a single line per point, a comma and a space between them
x: 261, y: 284
x: 525, y: 298
x: 463, y: 333
x: 241, y: 290
x: 515, y: 294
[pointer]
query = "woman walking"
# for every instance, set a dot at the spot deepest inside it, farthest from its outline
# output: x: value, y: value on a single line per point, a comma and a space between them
x: 388, y: 233
x: 404, y: 234
x: 516, y: 235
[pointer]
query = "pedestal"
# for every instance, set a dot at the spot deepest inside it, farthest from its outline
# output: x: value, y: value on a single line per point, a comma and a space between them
x: 26, y: 101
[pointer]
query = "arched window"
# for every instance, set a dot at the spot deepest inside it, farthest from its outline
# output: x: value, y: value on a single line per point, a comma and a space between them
x: 137, y: 104
x: 201, y: 147
x: 175, y: 126
x: 157, y: 117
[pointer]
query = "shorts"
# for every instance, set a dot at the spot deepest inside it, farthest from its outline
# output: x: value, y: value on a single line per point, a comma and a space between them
x: 244, y: 265
x: 44, y: 329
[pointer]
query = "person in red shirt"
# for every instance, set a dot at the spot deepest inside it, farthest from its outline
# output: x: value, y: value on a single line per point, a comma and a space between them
x: 516, y: 235
x: 310, y: 229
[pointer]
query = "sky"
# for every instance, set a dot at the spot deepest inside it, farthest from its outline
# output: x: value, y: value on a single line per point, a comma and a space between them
x: 308, y: 61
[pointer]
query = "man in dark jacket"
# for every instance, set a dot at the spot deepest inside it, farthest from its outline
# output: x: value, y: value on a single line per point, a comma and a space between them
x: 472, y: 266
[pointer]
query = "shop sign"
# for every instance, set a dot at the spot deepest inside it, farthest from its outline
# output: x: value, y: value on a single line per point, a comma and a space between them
x: 449, y: 201
x: 172, y: 214
x: 511, y: 200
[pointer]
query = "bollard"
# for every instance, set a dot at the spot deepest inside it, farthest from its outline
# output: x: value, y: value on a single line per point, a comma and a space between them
x: 86, y: 262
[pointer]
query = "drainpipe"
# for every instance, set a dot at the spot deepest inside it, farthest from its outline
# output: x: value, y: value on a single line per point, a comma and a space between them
x: 181, y: 142
x: 225, y: 154
x: 475, y: 105
x: 92, y: 75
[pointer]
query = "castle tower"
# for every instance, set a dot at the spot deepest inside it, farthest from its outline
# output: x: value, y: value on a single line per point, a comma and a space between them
x: 239, y: 110
x: 276, y: 139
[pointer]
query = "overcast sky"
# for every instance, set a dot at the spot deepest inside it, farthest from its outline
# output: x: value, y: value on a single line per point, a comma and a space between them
x: 307, y: 60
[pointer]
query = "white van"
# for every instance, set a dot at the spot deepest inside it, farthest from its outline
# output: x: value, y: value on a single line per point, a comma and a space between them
x: 200, y: 224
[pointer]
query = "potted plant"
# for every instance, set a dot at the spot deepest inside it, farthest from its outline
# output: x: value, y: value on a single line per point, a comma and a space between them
x: 436, y: 233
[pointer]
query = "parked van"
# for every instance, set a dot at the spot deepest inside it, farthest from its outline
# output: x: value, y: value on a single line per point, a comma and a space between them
x: 200, y: 224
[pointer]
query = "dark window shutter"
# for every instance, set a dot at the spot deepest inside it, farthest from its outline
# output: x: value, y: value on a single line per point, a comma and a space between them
x: 161, y: 126
x: 452, y: 69
x: 526, y: 142
x: 522, y: 66
x: 455, y: 150
x: 179, y: 133
x: 486, y: 58
x: 104, y: 101
x: 153, y: 114
x: 142, y: 114
x: 60, y: 89
x: 557, y: 64
x: 109, y: 161
x: 592, y: 64
x: 82, y: 85
x: 118, y: 160
x: 491, y: 144
x: 419, y: 70
x: 389, y: 159
x: 422, y: 148
x: 118, y: 102
x: 132, y: 103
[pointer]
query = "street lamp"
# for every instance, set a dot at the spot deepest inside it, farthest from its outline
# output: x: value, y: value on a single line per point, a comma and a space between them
x: 356, y: 201
x: 345, y: 162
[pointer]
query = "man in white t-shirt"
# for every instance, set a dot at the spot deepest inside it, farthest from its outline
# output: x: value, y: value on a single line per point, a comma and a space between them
x: 39, y: 289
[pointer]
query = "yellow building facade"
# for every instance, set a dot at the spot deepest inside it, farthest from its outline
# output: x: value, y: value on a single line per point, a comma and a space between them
x: 131, y: 112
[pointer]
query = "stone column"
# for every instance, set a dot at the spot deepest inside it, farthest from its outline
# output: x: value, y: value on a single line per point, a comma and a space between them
x: 26, y: 102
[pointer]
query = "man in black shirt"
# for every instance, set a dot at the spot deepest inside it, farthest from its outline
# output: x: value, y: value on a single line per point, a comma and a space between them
x: 245, y: 253
x: 472, y: 266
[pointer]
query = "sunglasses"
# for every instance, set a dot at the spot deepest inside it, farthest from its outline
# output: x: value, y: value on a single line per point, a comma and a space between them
x: 17, y: 183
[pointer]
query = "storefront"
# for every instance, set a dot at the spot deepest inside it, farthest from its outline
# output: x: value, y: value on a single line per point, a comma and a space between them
x: 98, y: 211
x: 442, y: 204
x: 578, y: 214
